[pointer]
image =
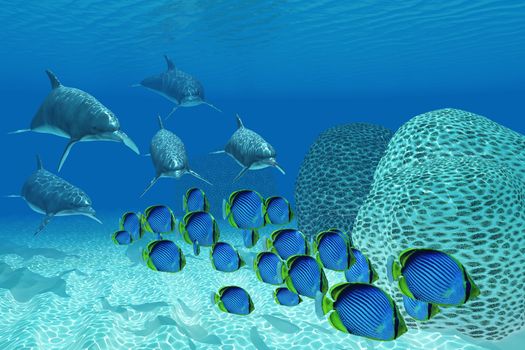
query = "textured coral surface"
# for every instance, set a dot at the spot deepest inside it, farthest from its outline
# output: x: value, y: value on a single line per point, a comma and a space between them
x: 454, y: 181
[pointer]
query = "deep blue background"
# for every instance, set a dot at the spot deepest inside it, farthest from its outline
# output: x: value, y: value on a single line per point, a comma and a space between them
x: 290, y: 69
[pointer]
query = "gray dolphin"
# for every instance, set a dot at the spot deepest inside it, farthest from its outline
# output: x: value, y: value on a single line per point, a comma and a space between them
x: 169, y: 157
x: 177, y: 86
x: 250, y: 150
x: 52, y: 196
x: 75, y: 114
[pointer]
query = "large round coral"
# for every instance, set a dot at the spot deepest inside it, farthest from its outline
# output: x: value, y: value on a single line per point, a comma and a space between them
x: 454, y: 181
x: 336, y: 175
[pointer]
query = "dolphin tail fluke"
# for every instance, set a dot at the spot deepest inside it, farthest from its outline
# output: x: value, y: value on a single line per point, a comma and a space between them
x: 193, y: 173
x: 53, y: 79
x: 70, y: 144
x: 18, y: 131
x: 240, y: 174
x: 153, y: 182
x: 212, y: 106
x: 172, y: 111
x: 279, y: 168
x: 43, y: 224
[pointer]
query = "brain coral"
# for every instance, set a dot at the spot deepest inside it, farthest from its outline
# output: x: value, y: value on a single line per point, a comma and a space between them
x: 453, y: 180
x: 336, y: 175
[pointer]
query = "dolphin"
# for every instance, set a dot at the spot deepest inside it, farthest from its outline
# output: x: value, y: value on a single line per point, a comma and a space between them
x: 250, y: 150
x: 177, y: 86
x: 169, y: 157
x: 53, y: 196
x: 75, y: 114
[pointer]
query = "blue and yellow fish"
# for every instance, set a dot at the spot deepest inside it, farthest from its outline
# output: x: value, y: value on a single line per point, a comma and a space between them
x: 122, y: 237
x: 364, y: 310
x: 305, y: 276
x: 225, y: 258
x: 362, y: 270
x: 158, y: 219
x: 269, y: 268
x: 199, y: 228
x: 132, y: 222
x: 164, y: 255
x: 278, y: 211
x: 288, y: 242
x: 284, y: 296
x: 333, y: 250
x: 233, y: 300
x: 419, y: 310
x: 245, y: 210
x: 433, y: 277
x: 195, y: 200
x: 250, y: 238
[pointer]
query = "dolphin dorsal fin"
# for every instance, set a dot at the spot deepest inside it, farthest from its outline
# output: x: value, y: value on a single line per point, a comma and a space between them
x: 239, y: 122
x: 160, y: 122
x: 169, y: 62
x: 53, y: 79
x: 39, y: 163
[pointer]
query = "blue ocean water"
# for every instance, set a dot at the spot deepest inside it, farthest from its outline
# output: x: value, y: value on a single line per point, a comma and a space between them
x: 290, y: 69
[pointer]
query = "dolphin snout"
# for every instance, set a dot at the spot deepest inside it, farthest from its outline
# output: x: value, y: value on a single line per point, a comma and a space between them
x: 122, y: 137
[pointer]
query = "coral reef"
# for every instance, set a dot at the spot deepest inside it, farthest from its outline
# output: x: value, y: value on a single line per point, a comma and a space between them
x: 336, y: 175
x: 455, y: 181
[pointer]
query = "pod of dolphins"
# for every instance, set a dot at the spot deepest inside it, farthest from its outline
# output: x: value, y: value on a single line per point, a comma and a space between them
x: 428, y: 279
x: 78, y: 116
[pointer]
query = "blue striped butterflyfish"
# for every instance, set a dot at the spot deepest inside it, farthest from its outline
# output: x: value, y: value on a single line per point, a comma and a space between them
x: 122, y: 237
x: 364, y: 310
x: 158, y: 219
x: 164, y: 255
x: 195, y: 200
x: 245, y: 210
x: 132, y: 222
x: 250, y: 238
x: 419, y: 310
x: 288, y: 242
x: 278, y: 211
x: 362, y: 270
x: 269, y: 268
x: 233, y: 300
x: 433, y: 276
x: 333, y: 250
x: 305, y: 276
x: 284, y: 296
x: 225, y: 258
x: 199, y: 227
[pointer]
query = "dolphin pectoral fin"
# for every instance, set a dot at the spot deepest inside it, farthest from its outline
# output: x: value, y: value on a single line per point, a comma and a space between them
x: 69, y: 145
x: 92, y: 216
x: 136, y: 85
x: 212, y: 106
x: 127, y: 141
x: 172, y: 111
x: 13, y: 196
x: 240, y: 174
x: 18, y: 131
x: 44, y: 223
x: 155, y: 179
x: 279, y: 168
x: 193, y: 173
x: 218, y: 152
